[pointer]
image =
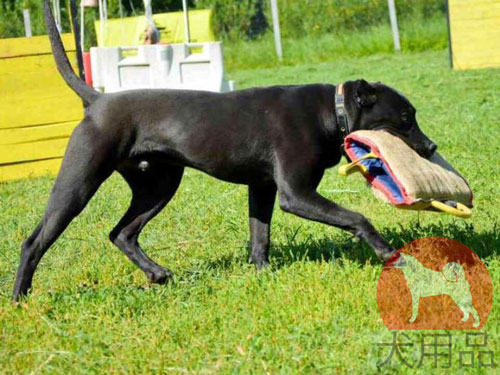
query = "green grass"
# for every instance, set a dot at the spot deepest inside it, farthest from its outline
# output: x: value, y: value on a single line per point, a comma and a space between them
x: 416, y: 36
x: 314, y: 311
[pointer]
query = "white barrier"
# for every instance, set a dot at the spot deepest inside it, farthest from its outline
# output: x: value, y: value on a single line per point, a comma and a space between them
x: 194, y: 66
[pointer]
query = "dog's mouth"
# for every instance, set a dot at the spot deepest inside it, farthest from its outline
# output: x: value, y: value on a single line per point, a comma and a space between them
x: 426, y: 153
x: 424, y: 150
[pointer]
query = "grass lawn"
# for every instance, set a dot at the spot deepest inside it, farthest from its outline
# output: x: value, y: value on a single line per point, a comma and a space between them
x: 314, y: 311
x: 416, y: 35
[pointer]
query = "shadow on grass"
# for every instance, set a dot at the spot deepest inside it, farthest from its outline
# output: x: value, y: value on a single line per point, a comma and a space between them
x: 485, y: 243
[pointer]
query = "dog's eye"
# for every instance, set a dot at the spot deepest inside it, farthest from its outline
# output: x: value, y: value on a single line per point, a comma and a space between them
x: 404, y: 117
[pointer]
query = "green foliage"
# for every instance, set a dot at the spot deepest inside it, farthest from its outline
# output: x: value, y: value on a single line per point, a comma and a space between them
x: 11, y: 15
x: 313, y: 312
x: 416, y: 35
x: 318, y: 29
x: 11, y: 23
x: 236, y: 19
x: 136, y: 7
x: 316, y: 17
x: 300, y: 18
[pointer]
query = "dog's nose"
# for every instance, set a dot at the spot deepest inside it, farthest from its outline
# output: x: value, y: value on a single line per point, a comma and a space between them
x: 426, y: 150
x: 432, y: 148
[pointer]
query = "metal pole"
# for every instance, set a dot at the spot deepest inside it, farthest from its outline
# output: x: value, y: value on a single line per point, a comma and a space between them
x: 276, y: 29
x: 57, y: 15
x: 450, y: 47
x: 122, y: 24
x: 82, y: 25
x: 27, y: 22
x: 103, y: 16
x: 394, y: 25
x: 73, y: 10
x: 105, y: 12
x: 186, y: 21
x: 101, y: 26
x: 148, y: 10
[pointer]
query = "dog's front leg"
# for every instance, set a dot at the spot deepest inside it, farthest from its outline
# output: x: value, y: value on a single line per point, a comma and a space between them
x: 299, y: 196
x: 260, y: 205
x: 415, y: 300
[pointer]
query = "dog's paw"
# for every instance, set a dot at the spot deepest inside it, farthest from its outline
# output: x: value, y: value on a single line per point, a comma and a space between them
x: 412, y: 319
x: 264, y: 265
x: 160, y: 277
x: 396, y: 260
x: 386, y: 253
x: 259, y: 263
x: 476, y: 324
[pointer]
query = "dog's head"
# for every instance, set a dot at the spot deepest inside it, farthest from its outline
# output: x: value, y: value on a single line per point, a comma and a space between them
x: 407, y: 262
x: 375, y: 106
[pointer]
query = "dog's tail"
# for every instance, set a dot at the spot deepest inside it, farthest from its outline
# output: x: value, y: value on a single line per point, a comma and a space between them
x: 87, y: 93
x: 453, y: 272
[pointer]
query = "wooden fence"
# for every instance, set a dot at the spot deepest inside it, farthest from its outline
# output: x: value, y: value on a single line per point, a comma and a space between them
x: 38, y: 111
x: 474, y: 33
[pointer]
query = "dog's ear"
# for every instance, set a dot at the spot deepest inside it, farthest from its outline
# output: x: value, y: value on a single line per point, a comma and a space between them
x: 365, y: 94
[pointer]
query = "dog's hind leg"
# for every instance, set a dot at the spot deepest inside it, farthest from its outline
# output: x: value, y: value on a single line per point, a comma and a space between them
x: 475, y: 315
x: 415, y: 300
x: 152, y: 188
x: 261, y: 205
x: 87, y: 163
x: 467, y: 309
x: 466, y: 314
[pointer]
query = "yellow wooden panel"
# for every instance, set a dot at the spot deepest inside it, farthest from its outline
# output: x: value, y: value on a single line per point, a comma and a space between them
x: 26, y: 64
x: 48, y: 110
x: 477, y: 11
x: 36, y: 133
x: 32, y: 151
x: 38, y: 111
x: 475, y: 33
x: 29, y: 169
x: 129, y: 31
x: 34, y: 93
x: 23, y: 86
x: 13, y: 47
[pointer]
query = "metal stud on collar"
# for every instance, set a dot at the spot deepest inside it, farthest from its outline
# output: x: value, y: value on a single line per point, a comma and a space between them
x: 340, y: 112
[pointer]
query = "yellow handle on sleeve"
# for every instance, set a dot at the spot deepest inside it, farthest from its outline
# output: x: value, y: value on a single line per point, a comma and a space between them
x: 347, y: 169
x: 461, y: 210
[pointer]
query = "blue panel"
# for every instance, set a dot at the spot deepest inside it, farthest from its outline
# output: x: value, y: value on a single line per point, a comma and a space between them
x: 377, y: 169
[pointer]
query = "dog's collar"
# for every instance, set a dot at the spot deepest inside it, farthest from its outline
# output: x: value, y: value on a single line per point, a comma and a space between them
x: 341, y: 115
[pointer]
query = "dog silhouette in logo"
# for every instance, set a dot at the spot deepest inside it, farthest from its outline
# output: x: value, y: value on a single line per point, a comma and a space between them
x: 424, y: 282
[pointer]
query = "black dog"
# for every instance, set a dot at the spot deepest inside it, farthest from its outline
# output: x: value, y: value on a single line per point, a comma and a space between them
x: 276, y: 139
